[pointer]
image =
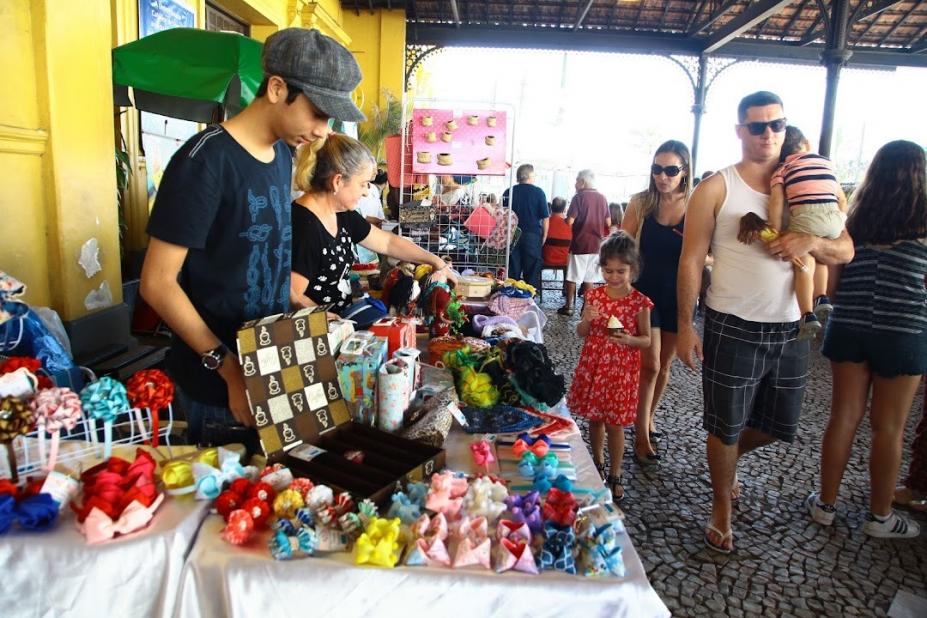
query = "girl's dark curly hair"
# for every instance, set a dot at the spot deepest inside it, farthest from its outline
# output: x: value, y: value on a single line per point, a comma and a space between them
x: 621, y: 246
x: 891, y: 203
x: 792, y: 142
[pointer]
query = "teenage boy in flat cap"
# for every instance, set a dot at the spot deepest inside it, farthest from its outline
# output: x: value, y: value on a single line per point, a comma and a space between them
x: 220, y: 228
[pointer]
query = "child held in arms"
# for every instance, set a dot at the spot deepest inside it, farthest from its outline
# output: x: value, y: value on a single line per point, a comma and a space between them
x: 615, y: 327
x: 807, y: 183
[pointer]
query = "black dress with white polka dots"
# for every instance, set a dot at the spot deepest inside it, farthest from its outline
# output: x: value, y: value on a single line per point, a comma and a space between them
x: 326, y: 260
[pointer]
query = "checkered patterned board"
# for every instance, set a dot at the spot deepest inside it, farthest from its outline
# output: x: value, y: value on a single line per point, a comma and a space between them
x: 290, y: 378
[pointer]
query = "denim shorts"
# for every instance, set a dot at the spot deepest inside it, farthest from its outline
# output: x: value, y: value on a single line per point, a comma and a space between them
x: 888, y: 354
x: 209, y: 425
x: 754, y: 375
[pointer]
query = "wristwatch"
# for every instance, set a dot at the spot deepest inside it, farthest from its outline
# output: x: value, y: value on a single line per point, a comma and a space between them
x: 213, y: 359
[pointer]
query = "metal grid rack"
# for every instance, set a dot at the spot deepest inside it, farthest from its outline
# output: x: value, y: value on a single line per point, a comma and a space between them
x: 447, y: 203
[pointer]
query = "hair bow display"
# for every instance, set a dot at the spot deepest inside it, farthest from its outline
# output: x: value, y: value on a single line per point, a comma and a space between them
x: 15, y: 420
x: 526, y: 443
x: 55, y: 409
x: 319, y: 497
x: 515, y: 555
x: 599, y: 551
x: 329, y: 515
x: 482, y: 454
x: 379, y: 544
x: 30, y: 364
x: 544, y: 484
x: 103, y: 400
x: 559, y: 507
x: 472, y: 543
x: 99, y: 527
x: 429, y: 543
x: 151, y: 389
x: 404, y: 508
x: 34, y: 513
x: 446, y: 493
x: 300, y: 544
x: 177, y: 475
x: 531, y: 466
x: 486, y: 498
x: 239, y: 528
x: 557, y: 552
x: 209, y: 480
x: 113, y: 485
x: 417, y: 492
x: 289, y: 501
x: 511, y: 529
x: 526, y: 509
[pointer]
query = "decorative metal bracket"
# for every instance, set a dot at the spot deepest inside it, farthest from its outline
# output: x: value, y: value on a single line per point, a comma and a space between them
x: 415, y: 54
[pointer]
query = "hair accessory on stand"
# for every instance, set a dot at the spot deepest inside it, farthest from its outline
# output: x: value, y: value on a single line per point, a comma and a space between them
x: 55, y: 409
x: 525, y: 443
x: 482, y: 454
x: 150, y: 389
x: 102, y: 401
x: 531, y: 466
x: 15, y: 420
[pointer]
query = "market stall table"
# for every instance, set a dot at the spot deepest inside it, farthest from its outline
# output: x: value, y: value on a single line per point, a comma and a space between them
x: 224, y: 580
x: 57, y: 573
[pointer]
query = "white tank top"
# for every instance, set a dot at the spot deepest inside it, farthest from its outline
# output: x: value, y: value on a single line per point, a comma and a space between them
x: 746, y: 281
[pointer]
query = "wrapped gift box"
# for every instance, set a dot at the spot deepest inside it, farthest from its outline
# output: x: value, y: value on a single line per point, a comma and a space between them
x: 304, y: 421
x: 399, y: 332
x: 357, y: 366
x: 338, y: 332
x: 474, y: 287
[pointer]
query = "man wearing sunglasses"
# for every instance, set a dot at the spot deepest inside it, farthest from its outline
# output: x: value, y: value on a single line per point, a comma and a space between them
x: 754, y: 369
x: 220, y: 228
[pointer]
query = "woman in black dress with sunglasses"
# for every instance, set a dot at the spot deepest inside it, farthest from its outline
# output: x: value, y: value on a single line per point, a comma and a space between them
x: 655, y: 217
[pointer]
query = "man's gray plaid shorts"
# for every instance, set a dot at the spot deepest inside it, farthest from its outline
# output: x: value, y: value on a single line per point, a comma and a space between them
x: 753, y: 375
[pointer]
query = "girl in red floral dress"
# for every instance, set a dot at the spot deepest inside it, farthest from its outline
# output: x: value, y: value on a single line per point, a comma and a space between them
x: 605, y: 385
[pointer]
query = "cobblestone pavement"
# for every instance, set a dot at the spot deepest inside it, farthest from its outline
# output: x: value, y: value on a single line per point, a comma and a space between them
x: 784, y: 564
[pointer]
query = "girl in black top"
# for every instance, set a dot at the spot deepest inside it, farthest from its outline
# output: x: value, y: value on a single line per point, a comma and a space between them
x: 335, y: 175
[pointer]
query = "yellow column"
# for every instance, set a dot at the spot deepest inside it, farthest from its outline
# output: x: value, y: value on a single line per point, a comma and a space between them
x: 378, y: 41
x: 74, y: 86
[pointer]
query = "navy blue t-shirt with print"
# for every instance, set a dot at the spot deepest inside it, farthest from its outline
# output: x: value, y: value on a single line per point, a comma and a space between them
x: 326, y: 260
x: 232, y: 212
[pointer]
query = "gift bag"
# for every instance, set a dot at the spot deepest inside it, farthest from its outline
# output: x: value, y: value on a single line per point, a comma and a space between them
x: 482, y: 221
x: 25, y: 334
x: 502, y: 235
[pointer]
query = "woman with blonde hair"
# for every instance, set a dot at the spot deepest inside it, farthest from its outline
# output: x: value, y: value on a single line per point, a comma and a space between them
x: 656, y: 217
x: 334, y: 176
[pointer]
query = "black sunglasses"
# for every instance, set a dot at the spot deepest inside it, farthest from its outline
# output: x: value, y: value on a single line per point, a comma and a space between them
x: 758, y: 128
x: 670, y: 170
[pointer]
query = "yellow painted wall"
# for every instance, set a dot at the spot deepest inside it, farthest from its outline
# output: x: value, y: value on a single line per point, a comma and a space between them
x: 378, y: 41
x: 57, y: 180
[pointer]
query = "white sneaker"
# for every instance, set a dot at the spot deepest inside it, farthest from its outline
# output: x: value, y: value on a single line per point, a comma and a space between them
x: 892, y: 526
x: 819, y: 511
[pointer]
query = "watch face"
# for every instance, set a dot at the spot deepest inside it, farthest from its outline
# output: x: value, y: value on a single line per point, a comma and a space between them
x: 211, y: 360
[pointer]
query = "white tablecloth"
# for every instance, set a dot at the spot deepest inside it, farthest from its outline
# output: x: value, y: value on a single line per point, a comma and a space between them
x: 58, y: 574
x: 222, y: 580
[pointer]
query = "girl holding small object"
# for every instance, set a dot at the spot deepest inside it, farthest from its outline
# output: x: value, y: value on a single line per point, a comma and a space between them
x: 807, y: 183
x: 606, y: 382
x: 876, y: 338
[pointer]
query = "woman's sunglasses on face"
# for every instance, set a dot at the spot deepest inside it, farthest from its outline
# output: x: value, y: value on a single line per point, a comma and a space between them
x: 758, y: 128
x: 670, y: 170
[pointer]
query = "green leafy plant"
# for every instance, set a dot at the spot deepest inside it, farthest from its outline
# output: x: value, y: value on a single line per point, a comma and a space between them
x: 383, y: 122
x: 123, y: 173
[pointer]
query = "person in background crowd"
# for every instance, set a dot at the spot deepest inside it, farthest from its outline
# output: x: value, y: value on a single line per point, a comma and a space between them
x: 371, y: 208
x: 529, y: 204
x: 876, y: 338
x: 616, y: 214
x: 588, y: 215
x: 556, y: 250
x: 656, y: 218
x: 615, y: 326
x: 751, y: 311
x: 220, y: 227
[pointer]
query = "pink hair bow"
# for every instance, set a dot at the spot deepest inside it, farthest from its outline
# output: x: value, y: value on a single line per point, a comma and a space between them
x: 55, y: 409
x: 98, y: 526
x: 429, y: 547
x: 446, y: 494
x: 515, y: 555
x: 515, y: 530
x: 482, y: 454
x: 473, y: 544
